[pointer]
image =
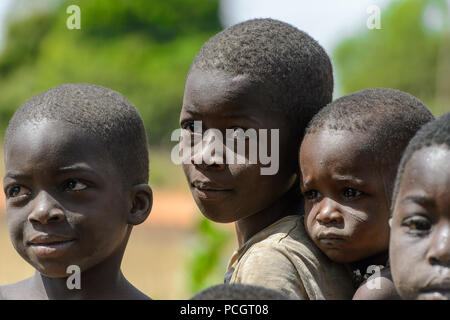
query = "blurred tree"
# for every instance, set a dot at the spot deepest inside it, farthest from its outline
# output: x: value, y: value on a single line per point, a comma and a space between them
x: 141, y: 48
x: 205, y: 264
x: 404, y: 54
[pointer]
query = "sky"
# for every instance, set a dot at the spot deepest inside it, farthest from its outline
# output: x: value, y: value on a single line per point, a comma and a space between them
x: 3, y: 11
x: 327, y: 21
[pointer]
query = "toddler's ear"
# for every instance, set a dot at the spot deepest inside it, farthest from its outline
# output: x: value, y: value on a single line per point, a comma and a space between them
x: 142, y: 201
x: 390, y: 223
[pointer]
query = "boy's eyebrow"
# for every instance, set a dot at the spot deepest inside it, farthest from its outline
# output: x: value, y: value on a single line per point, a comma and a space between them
x: 422, y: 200
x: 351, y: 179
x: 17, y: 175
x: 228, y: 116
x: 75, y: 168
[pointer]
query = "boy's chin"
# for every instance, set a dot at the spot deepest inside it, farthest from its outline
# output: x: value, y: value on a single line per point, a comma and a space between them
x: 218, y: 218
x: 53, y: 271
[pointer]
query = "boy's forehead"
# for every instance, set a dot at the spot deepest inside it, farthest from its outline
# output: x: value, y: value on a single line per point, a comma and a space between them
x: 328, y: 146
x: 217, y: 92
x: 428, y: 168
x: 52, y: 142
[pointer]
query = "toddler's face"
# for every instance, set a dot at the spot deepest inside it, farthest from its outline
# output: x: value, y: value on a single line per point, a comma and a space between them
x: 346, y: 203
x: 420, y: 232
x: 65, y: 203
x: 230, y: 192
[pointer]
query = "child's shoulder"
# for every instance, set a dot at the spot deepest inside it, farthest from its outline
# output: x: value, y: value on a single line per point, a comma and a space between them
x: 287, y: 236
x: 15, y: 291
x: 287, y: 258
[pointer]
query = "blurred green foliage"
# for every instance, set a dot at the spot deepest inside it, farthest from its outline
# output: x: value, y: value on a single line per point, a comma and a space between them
x: 141, y: 48
x: 206, y: 261
x: 404, y: 54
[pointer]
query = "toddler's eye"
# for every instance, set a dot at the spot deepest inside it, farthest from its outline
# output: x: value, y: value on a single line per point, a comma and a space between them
x: 74, y: 185
x: 17, y: 191
x: 311, y: 194
x: 351, y: 193
x: 417, y: 224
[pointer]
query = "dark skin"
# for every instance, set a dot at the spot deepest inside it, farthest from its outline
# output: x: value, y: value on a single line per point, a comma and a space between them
x: 346, y: 202
x: 67, y: 204
x: 420, y: 231
x: 238, y: 192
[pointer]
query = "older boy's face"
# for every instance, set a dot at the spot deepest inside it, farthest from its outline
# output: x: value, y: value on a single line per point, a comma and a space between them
x: 420, y: 232
x: 230, y: 192
x: 346, y: 204
x: 65, y: 203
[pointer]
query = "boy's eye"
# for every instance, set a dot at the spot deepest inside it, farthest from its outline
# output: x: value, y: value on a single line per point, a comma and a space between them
x: 17, y: 191
x: 351, y: 193
x: 188, y: 125
x: 238, y: 133
x: 74, y: 185
x: 417, y: 224
x: 311, y: 194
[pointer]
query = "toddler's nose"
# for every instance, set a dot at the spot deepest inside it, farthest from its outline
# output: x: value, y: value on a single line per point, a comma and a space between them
x: 329, y: 213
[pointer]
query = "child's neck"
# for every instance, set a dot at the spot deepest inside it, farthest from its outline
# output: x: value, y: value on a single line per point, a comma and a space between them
x: 104, y: 281
x: 288, y: 204
x: 378, y: 259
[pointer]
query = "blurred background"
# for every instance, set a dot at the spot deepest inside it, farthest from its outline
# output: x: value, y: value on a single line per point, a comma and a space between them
x: 143, y: 49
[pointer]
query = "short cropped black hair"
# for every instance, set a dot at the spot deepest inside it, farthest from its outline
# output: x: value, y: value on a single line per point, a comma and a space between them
x: 239, y: 292
x: 435, y: 133
x: 294, y: 70
x: 388, y: 118
x: 102, y: 112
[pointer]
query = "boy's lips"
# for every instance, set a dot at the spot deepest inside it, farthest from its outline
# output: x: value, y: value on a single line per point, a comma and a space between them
x: 208, y: 191
x: 50, y: 246
x: 438, y: 289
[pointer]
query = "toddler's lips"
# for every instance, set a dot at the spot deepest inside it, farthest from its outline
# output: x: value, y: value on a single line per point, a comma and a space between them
x: 331, y: 239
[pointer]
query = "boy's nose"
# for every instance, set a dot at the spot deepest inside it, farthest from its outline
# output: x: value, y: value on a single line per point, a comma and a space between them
x: 329, y: 213
x: 211, y: 155
x: 439, y: 250
x: 46, y: 210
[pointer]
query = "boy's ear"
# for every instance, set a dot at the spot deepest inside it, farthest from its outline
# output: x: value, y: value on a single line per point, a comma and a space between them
x: 142, y: 202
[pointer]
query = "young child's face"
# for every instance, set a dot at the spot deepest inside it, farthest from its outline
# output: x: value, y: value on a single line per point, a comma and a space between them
x: 346, y: 205
x: 65, y: 203
x: 420, y: 232
x: 230, y: 192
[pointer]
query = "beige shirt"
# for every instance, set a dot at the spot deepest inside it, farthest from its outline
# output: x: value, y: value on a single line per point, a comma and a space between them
x: 283, y: 257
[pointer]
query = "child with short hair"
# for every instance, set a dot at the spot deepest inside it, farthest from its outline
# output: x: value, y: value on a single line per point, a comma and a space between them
x: 76, y: 173
x: 420, y: 243
x: 262, y: 74
x: 348, y: 161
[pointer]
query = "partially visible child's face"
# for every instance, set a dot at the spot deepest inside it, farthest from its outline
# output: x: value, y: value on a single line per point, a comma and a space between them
x: 65, y: 203
x: 230, y: 192
x: 346, y: 204
x: 420, y: 232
